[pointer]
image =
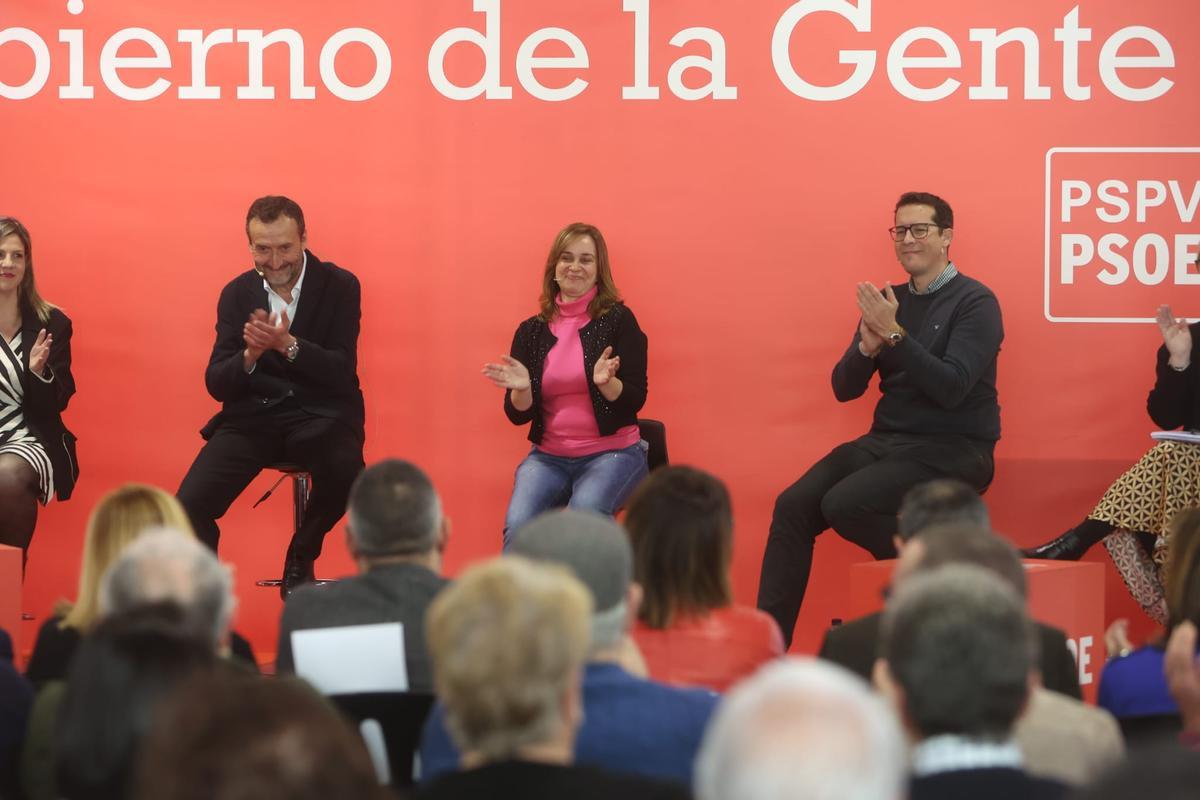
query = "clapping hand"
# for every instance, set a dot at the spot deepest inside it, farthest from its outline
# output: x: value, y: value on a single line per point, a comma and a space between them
x: 1176, y: 336
x: 39, y: 353
x: 1182, y: 672
x: 871, y: 342
x: 878, y: 310
x: 508, y: 374
x: 606, y: 367
x: 262, y: 335
x: 1116, y: 639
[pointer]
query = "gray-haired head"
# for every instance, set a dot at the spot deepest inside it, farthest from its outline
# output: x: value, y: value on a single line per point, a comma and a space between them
x: 596, y: 549
x: 394, y: 511
x: 168, y: 565
x: 960, y: 645
x: 964, y: 543
x: 802, y: 729
x: 940, y: 501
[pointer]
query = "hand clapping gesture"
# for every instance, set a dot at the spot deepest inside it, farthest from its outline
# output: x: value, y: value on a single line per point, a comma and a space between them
x: 878, y: 310
x: 1176, y: 336
x: 508, y: 374
x: 39, y: 353
x: 871, y: 342
x: 262, y: 335
x: 606, y: 367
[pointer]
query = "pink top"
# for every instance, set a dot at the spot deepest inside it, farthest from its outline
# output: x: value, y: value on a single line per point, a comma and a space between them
x: 571, y: 429
x: 715, y: 650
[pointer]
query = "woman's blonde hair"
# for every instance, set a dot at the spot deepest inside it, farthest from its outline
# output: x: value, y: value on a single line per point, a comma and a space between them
x: 1183, y: 569
x: 11, y: 226
x: 507, y: 639
x: 119, y: 518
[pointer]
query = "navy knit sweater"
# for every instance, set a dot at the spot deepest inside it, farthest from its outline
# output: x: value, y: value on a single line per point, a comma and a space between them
x: 941, y: 378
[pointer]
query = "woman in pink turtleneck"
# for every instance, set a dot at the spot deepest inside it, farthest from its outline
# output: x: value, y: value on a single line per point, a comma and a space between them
x: 577, y: 376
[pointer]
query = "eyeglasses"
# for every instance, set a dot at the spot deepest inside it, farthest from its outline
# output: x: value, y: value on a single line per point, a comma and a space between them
x: 919, y: 230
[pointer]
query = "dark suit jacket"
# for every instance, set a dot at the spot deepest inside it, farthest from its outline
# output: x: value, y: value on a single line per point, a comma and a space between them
x: 44, y: 402
x: 386, y: 593
x: 996, y: 783
x: 855, y: 644
x: 323, y: 379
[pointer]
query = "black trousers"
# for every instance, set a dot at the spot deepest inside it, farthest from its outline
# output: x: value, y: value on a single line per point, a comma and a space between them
x: 856, y: 490
x: 241, y: 448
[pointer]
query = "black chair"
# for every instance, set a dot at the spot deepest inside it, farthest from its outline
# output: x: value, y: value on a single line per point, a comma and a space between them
x: 655, y: 435
x: 400, y: 717
x: 1150, y: 731
x: 301, y: 486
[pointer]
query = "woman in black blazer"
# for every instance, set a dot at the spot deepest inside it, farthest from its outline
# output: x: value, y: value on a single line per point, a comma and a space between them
x: 37, y: 453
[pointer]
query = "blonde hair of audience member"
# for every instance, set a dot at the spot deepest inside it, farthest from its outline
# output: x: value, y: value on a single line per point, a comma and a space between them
x: 120, y: 517
x: 1183, y: 569
x: 508, y: 641
x: 802, y: 728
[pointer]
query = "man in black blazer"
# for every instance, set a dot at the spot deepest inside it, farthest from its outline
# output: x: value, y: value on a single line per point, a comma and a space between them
x: 855, y: 645
x: 284, y: 367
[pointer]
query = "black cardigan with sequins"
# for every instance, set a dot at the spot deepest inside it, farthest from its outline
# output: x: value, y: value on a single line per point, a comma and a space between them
x: 617, y: 327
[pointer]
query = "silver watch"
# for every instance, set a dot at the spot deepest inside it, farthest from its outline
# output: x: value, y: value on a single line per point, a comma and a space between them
x: 293, y: 350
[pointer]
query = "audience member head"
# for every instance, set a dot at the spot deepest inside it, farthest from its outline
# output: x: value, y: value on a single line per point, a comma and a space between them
x: 680, y: 524
x: 120, y: 517
x: 802, y: 729
x: 596, y: 550
x: 394, y: 512
x: 166, y: 565
x: 940, y: 501
x: 962, y: 543
x: 1183, y: 569
x: 508, y: 641
x: 228, y: 736
x: 123, y: 670
x: 957, y: 653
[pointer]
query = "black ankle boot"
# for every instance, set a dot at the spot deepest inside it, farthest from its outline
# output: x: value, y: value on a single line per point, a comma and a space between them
x: 1073, y: 544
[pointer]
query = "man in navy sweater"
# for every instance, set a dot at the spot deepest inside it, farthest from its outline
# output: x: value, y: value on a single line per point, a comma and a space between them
x: 934, y: 342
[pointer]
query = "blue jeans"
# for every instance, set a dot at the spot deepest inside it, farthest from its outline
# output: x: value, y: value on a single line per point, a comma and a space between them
x: 601, y: 482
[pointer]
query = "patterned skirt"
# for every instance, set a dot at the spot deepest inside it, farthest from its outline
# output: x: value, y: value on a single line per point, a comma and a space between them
x: 1145, y: 499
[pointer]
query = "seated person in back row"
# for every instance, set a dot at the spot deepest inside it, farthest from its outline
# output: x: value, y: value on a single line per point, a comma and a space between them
x: 689, y: 631
x: 509, y: 641
x: 630, y: 724
x: 931, y: 505
x: 396, y: 533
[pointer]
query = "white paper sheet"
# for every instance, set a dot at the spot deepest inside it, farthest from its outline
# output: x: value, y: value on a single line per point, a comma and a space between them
x: 352, y: 658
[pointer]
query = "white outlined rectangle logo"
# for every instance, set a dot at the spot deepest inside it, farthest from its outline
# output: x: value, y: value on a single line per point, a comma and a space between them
x: 1122, y: 233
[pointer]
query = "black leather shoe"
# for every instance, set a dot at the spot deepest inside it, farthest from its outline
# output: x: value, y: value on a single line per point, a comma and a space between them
x: 1068, y: 547
x: 296, y: 572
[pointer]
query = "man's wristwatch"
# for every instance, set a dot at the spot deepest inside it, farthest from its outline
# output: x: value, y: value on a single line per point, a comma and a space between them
x: 293, y: 350
x: 896, y: 335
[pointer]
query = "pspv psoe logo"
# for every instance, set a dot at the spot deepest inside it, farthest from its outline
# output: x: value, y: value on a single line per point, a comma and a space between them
x: 1122, y: 233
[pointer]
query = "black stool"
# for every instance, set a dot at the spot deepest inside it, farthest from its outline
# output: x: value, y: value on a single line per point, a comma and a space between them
x: 301, y: 481
x: 655, y: 434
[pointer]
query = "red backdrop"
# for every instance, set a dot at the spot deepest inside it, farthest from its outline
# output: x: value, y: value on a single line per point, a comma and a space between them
x: 738, y: 227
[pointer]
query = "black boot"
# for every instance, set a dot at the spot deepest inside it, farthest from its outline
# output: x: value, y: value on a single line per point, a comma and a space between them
x: 1073, y: 544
